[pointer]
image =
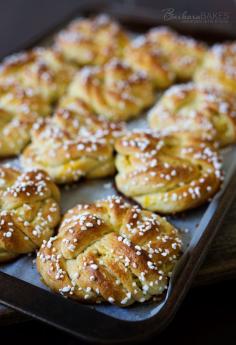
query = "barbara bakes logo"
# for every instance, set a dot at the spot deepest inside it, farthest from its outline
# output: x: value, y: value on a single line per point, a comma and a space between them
x: 219, y: 17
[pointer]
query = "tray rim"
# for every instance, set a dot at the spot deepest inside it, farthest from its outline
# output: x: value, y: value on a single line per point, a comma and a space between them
x: 28, y: 307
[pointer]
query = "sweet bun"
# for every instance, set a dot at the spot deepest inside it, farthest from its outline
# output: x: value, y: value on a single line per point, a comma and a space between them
x: 67, y: 160
x: 113, y: 90
x: 92, y: 41
x: 73, y: 143
x: 29, y: 211
x: 204, y: 110
x: 110, y: 251
x: 143, y: 55
x: 167, y: 173
x: 219, y: 67
x: 184, y: 53
x: 42, y: 69
x: 19, y: 110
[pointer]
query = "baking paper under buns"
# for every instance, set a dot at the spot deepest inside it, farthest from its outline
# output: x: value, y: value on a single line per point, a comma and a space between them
x: 167, y: 173
x: 110, y: 251
x: 29, y: 211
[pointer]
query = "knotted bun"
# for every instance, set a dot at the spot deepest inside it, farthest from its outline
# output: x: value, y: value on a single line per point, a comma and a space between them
x: 110, y: 251
x: 142, y: 55
x: 29, y: 211
x: 113, y: 90
x: 219, y: 67
x: 185, y: 54
x: 203, y: 110
x: 92, y: 41
x: 73, y: 143
x: 19, y: 110
x: 42, y: 69
x: 167, y: 173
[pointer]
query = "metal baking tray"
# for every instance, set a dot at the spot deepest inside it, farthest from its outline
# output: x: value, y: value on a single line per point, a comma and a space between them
x: 20, y: 285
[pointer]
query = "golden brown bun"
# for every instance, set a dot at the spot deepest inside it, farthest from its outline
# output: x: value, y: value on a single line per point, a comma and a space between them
x: 19, y: 110
x: 167, y: 173
x: 29, y: 211
x: 184, y: 53
x: 113, y: 90
x: 42, y: 69
x: 110, y: 251
x: 92, y: 41
x: 206, y: 111
x: 73, y: 143
x: 143, y: 55
x: 219, y: 67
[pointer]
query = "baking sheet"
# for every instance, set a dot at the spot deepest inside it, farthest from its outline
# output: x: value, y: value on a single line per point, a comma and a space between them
x: 90, y: 190
x: 197, y: 231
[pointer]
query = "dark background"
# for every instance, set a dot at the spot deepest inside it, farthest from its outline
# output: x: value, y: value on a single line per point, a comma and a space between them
x: 21, y: 20
x: 208, y: 314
